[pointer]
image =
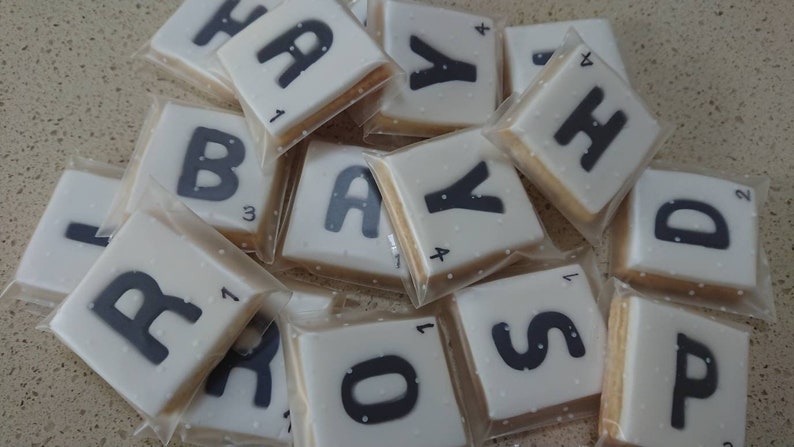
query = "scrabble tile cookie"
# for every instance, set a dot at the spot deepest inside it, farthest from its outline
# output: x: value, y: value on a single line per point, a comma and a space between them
x: 529, y: 47
x: 459, y: 211
x: 453, y: 61
x: 382, y: 381
x: 208, y: 159
x: 299, y: 66
x: 689, y: 233
x: 186, y: 44
x: 673, y: 377
x: 64, y: 245
x: 534, y: 345
x: 580, y: 134
x: 337, y: 225
x: 159, y: 308
x: 244, y: 400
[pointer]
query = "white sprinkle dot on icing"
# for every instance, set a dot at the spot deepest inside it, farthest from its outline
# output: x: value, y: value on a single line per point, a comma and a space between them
x: 449, y: 275
x: 221, y: 252
x: 740, y: 292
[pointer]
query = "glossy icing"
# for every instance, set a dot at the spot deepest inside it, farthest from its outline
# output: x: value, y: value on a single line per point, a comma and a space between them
x: 528, y: 47
x: 392, y: 362
x: 159, y: 306
x: 337, y: 221
x: 653, y: 361
x: 556, y: 338
x: 64, y: 246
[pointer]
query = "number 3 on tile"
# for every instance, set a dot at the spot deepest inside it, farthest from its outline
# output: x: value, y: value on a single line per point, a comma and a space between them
x: 249, y: 213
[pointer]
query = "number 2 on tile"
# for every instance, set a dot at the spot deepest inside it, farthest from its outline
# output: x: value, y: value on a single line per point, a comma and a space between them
x: 743, y: 194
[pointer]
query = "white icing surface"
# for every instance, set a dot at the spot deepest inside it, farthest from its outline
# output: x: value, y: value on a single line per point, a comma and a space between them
x: 308, y: 241
x: 453, y: 34
x: 523, y: 42
x: 181, y: 269
x: 649, y: 376
x: 359, y: 9
x: 516, y: 301
x: 351, y: 56
x: 326, y: 357
x: 540, y: 115
x: 164, y: 155
x: 734, y: 266
x: 471, y: 236
x: 175, y: 39
x: 51, y: 261
x: 234, y: 411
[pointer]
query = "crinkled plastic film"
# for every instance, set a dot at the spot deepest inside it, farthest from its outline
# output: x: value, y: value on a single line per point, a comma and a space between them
x: 378, y: 125
x: 305, y: 413
x: 515, y: 110
x: 588, y: 325
x: 234, y: 224
x: 61, y: 263
x: 423, y: 286
x: 267, y: 295
x: 683, y: 287
x: 614, y: 304
x: 263, y: 118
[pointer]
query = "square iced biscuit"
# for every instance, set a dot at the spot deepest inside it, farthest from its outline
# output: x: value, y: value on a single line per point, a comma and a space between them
x: 580, y: 134
x: 64, y: 245
x: 208, y: 159
x: 458, y: 208
x: 159, y: 308
x: 689, y: 233
x: 529, y: 47
x: 453, y: 63
x: 244, y: 400
x: 299, y: 66
x: 534, y: 344
x: 337, y: 225
x: 381, y: 381
x: 673, y: 377
x: 187, y: 42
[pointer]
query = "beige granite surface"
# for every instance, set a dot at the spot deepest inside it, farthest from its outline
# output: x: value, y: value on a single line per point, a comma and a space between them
x: 722, y: 71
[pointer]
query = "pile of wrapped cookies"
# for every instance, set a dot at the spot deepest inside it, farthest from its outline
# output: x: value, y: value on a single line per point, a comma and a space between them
x: 174, y: 279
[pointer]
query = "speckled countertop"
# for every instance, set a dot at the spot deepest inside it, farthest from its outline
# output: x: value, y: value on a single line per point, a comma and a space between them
x: 722, y: 71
